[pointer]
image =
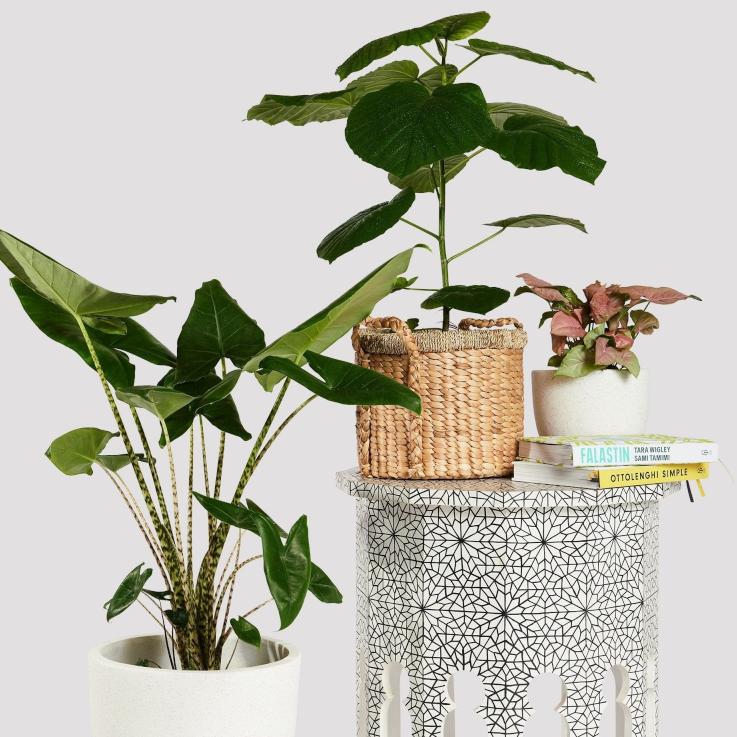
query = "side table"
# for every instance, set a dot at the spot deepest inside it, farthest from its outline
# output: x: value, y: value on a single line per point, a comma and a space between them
x: 507, y: 580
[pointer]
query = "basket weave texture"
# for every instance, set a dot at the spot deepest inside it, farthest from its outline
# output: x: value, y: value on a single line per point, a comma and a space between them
x: 471, y: 385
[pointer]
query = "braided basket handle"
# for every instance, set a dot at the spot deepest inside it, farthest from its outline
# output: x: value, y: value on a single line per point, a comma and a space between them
x: 472, y: 322
x: 363, y: 416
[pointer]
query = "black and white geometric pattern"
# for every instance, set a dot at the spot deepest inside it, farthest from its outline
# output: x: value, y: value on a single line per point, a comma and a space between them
x: 507, y: 580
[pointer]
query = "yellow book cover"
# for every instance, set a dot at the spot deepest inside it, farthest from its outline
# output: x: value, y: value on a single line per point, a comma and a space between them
x: 611, y: 478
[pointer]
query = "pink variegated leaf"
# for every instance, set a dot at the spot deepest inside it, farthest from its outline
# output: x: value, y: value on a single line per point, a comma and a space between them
x: 542, y: 288
x: 656, y: 295
x: 568, y: 326
x: 644, y: 322
x: 629, y: 360
x: 622, y: 339
x: 605, y: 305
x: 560, y: 344
x: 605, y: 354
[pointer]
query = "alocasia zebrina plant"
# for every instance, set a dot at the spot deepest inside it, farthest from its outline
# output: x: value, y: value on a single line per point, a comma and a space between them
x: 425, y: 127
x: 217, y: 344
x: 598, y: 332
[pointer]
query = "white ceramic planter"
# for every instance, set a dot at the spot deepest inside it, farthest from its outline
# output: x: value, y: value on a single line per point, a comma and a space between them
x: 255, y: 697
x: 603, y: 403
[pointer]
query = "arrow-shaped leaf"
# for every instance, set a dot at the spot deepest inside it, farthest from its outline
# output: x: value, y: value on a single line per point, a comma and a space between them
x: 76, y: 451
x: 128, y: 592
x: 246, y: 632
x: 161, y: 401
x: 346, y: 383
x: 476, y: 298
x: 66, y: 288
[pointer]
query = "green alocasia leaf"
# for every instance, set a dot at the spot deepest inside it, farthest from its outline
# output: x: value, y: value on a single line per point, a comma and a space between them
x: 161, y: 401
x: 426, y: 177
x: 110, y: 325
x: 577, y: 362
x: 223, y: 413
x: 246, y: 632
x: 216, y: 328
x: 118, y: 461
x: 287, y: 567
x: 320, y: 331
x: 244, y: 518
x: 538, y: 142
x: 66, y: 288
x: 492, y: 48
x: 476, y: 298
x: 59, y: 325
x: 346, y: 383
x: 405, y: 126
x: 537, y: 221
x: 433, y: 78
x: 76, y: 451
x: 139, y: 342
x: 365, y: 226
x: 128, y: 592
x: 323, y: 107
x: 159, y: 595
x: 323, y: 588
x: 452, y: 28
x: 178, y: 617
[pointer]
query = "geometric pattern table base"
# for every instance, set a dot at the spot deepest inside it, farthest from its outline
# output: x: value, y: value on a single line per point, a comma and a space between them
x: 506, y: 580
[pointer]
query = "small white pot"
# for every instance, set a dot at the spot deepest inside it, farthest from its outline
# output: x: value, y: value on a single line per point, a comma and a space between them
x: 607, y: 402
x: 255, y: 697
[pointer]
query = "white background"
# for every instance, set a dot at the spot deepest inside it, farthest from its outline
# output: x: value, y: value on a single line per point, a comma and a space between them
x: 124, y: 155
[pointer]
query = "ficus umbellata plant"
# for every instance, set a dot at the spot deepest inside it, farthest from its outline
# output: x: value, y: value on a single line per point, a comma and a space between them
x: 598, y: 331
x: 425, y: 127
x: 218, y: 344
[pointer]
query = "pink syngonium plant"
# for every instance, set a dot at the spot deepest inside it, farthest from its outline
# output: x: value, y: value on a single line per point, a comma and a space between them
x: 598, y: 332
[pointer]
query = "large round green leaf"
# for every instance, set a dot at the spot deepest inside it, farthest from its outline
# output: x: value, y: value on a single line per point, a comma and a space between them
x: 425, y: 179
x: 476, y: 298
x: 365, y: 226
x: 326, y: 106
x: 405, y: 126
x: 492, y: 48
x: 537, y: 142
x: 537, y: 221
x: 452, y: 28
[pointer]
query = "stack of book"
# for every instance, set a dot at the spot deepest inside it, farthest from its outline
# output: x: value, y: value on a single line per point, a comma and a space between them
x: 607, y: 462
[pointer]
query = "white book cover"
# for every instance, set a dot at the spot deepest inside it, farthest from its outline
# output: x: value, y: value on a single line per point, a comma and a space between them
x: 619, y: 450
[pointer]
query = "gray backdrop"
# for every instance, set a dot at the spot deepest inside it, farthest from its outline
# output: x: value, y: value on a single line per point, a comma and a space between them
x: 123, y: 154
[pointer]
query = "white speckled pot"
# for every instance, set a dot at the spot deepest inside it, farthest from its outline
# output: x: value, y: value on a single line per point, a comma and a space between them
x: 605, y: 402
x: 255, y: 697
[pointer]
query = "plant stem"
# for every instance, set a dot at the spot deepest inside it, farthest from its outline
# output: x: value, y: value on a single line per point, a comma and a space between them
x: 153, y: 470
x: 419, y: 227
x: 429, y: 56
x: 476, y: 245
x: 190, y: 497
x: 174, y: 494
x: 281, y: 427
x: 175, y: 573
x: 470, y: 64
x: 441, y: 241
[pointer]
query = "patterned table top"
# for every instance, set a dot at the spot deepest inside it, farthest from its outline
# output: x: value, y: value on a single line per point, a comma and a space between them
x: 503, y: 494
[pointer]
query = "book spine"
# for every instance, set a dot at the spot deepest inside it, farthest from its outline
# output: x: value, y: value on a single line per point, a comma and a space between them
x: 612, y: 478
x: 644, y: 455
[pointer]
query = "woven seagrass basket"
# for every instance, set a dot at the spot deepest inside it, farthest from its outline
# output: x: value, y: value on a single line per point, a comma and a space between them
x: 471, y: 385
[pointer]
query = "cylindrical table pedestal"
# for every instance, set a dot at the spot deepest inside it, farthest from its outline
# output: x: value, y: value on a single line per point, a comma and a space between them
x: 506, y: 580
